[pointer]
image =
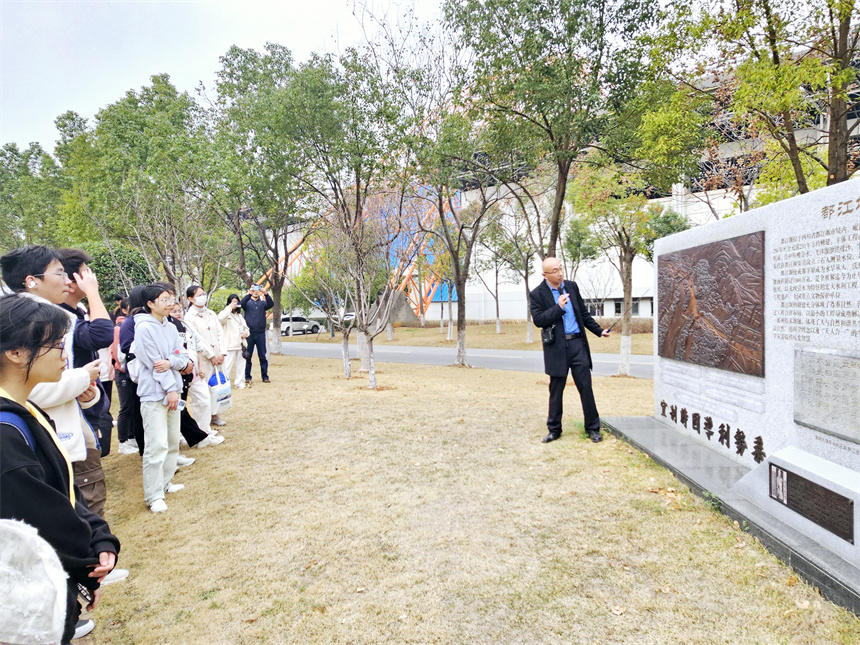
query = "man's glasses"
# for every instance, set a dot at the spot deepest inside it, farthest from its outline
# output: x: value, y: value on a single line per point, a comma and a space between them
x: 61, y: 274
x: 556, y: 270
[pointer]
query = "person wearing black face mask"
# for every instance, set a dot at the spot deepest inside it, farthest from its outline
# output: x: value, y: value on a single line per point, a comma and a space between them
x: 558, y: 309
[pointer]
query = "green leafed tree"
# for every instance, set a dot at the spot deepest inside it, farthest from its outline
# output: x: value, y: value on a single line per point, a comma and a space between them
x: 609, y: 199
x: 30, y: 194
x: 550, y: 71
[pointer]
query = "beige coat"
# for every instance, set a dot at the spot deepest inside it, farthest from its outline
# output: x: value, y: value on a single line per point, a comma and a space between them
x: 204, y: 322
x: 234, y: 328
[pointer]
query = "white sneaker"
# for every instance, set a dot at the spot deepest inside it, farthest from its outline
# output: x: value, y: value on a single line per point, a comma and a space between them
x: 182, y: 460
x: 219, y: 422
x: 125, y: 448
x: 240, y: 385
x: 116, y: 575
x: 211, y: 440
x: 158, y: 506
x: 182, y: 441
x: 83, y: 628
x: 174, y: 488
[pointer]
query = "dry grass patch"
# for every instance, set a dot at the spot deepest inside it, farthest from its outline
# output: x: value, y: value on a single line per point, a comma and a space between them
x: 431, y: 513
x: 513, y: 336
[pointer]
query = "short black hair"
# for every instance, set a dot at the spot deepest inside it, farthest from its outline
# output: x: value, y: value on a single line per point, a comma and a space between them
x: 73, y: 260
x: 26, y: 260
x: 116, y: 296
x: 151, y: 292
x: 189, y: 292
x: 136, y: 300
x: 29, y: 324
x: 167, y: 286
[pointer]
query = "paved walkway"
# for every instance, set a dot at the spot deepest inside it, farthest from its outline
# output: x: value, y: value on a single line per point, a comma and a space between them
x: 497, y: 359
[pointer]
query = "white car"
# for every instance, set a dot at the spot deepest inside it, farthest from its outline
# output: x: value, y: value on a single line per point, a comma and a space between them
x: 300, y: 325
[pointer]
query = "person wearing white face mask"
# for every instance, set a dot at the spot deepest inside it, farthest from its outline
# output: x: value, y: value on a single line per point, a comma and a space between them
x: 211, y: 351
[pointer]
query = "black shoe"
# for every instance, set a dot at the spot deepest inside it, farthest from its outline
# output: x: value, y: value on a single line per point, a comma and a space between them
x: 551, y: 437
x: 595, y: 436
x: 266, y: 380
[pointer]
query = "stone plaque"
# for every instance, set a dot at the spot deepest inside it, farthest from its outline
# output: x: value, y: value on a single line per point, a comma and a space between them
x: 711, y: 305
x: 827, y: 391
x: 828, y: 509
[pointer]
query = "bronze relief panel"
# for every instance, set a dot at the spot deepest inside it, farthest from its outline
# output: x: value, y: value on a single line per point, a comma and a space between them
x: 711, y: 304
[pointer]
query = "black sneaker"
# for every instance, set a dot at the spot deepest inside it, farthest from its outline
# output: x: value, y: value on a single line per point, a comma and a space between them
x: 266, y: 380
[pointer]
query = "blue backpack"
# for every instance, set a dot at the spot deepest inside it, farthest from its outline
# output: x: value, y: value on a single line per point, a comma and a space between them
x: 14, y: 420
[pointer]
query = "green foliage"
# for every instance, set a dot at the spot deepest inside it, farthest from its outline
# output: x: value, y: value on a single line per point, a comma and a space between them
x: 29, y: 197
x: 661, y: 224
x: 118, y: 267
x: 777, y: 182
x: 580, y: 244
x: 547, y: 74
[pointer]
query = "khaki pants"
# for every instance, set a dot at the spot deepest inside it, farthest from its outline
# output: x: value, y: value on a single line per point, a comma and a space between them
x: 90, y: 479
x: 161, y: 429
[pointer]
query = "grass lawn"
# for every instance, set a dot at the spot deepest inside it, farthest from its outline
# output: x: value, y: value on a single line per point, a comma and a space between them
x: 513, y: 336
x: 429, y: 512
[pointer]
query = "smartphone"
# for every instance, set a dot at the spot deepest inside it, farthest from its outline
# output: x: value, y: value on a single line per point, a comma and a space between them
x: 256, y: 287
x: 180, y: 405
x: 85, y: 594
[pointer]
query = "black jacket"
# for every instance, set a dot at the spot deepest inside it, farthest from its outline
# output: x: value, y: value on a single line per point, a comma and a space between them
x: 255, y: 312
x: 34, y: 488
x: 546, y: 313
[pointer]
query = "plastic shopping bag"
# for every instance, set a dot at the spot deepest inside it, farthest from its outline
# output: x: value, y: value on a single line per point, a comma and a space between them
x: 219, y: 392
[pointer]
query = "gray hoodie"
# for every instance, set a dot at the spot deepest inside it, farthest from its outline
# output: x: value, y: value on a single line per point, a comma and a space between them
x: 155, y: 341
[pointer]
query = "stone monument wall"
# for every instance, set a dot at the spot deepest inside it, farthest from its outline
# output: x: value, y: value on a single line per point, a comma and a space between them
x: 757, y: 346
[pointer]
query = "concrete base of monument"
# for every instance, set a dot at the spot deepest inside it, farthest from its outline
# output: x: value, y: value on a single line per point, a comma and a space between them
x: 713, y: 477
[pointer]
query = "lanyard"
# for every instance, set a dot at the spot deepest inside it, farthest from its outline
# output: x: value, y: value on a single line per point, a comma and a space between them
x: 45, y: 424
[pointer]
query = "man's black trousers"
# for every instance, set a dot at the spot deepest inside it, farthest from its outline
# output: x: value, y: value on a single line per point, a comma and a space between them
x: 577, y: 362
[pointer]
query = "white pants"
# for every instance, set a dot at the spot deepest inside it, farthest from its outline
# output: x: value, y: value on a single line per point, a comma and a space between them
x: 199, y: 397
x: 161, y: 433
x: 234, y: 357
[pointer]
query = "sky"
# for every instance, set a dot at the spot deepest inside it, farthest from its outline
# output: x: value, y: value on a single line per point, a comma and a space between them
x: 84, y: 55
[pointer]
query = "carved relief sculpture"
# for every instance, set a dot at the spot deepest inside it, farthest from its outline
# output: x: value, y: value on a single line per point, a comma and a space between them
x: 711, y: 306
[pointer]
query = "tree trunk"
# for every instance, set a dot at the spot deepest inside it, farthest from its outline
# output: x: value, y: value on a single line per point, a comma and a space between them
x: 530, y: 332
x: 498, y: 316
x: 371, y: 367
x: 363, y: 352
x: 450, y: 314
x: 837, y: 143
x: 389, y: 331
x: 442, y: 316
x: 626, y: 263
x: 290, y: 301
x: 421, y: 315
x: 461, y: 321
x: 344, y: 348
x: 558, y: 204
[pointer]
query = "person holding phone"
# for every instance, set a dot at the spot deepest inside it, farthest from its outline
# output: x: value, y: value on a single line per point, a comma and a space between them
x: 36, y: 480
x: 255, y: 305
x: 162, y: 357
x: 556, y: 304
x: 235, y: 334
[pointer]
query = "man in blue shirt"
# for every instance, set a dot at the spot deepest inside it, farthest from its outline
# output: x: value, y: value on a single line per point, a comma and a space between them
x: 557, y: 306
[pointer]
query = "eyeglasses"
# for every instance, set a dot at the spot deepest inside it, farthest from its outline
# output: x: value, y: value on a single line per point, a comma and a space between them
x: 167, y: 301
x: 61, y: 345
x: 62, y: 274
x: 556, y: 270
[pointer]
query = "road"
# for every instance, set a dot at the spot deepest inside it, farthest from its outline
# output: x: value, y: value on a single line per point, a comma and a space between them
x: 497, y: 359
